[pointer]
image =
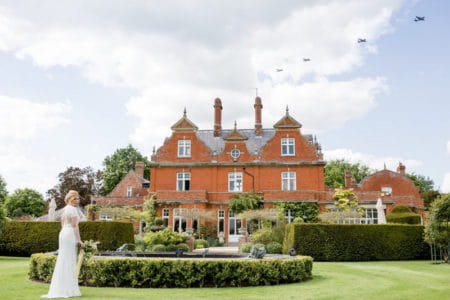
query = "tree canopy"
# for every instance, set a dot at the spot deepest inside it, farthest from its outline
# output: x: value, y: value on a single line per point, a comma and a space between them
x: 335, y: 172
x: 245, y: 201
x: 25, y: 202
x: 86, y: 181
x: 117, y: 165
x: 426, y: 188
x: 437, y: 229
x: 3, y: 190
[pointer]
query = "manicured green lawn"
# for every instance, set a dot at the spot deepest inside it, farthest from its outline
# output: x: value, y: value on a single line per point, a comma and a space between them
x: 360, y: 280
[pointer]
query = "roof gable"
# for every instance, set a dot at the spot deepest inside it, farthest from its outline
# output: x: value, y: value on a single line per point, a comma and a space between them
x: 287, y: 122
x: 184, y: 124
x: 235, y: 135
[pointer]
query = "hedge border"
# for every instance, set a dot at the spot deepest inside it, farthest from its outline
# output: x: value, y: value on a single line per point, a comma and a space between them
x: 337, y: 242
x: 181, y: 273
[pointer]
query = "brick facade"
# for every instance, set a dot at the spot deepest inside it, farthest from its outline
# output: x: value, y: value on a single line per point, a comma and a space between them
x: 257, y: 158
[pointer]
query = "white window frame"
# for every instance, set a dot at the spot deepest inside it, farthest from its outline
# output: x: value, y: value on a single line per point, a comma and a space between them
x: 129, y: 191
x: 235, y: 181
x: 105, y: 217
x: 220, y: 217
x: 184, y: 148
x: 182, y: 178
x: 178, y: 215
x: 288, y: 181
x: 288, y: 215
x: 369, y: 215
x: 387, y: 190
x: 287, y: 147
x: 165, y: 215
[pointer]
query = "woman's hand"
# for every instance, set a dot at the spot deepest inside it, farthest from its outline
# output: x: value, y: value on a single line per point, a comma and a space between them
x: 81, y: 245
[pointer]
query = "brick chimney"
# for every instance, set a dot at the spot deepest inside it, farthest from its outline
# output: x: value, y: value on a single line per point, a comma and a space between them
x: 348, y: 178
x: 217, y: 117
x: 139, y: 168
x: 401, y: 168
x: 258, y: 125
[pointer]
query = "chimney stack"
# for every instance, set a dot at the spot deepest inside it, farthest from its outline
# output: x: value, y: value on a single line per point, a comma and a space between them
x: 258, y: 124
x: 139, y: 168
x: 401, y: 168
x: 348, y: 178
x: 217, y: 117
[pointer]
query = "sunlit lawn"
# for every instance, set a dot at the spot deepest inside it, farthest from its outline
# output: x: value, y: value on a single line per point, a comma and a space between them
x: 352, y: 280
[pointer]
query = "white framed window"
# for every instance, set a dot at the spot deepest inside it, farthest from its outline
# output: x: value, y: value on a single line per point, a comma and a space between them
x: 129, y: 191
x: 287, y: 146
x: 288, y: 216
x: 165, y: 216
x: 183, y: 181
x: 371, y: 215
x: 235, y: 182
x: 220, y: 220
x: 184, y: 148
x: 105, y: 217
x: 288, y: 181
x: 387, y: 190
x: 179, y: 219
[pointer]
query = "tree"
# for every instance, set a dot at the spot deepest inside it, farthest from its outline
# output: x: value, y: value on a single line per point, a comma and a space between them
x: 119, y: 164
x: 426, y: 188
x: 3, y: 190
x: 2, y: 219
x: 86, y: 181
x: 335, y: 172
x: 244, y: 201
x: 346, y: 199
x: 25, y: 202
x: 437, y: 229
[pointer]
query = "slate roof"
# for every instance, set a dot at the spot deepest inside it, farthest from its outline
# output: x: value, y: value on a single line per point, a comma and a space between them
x: 254, y: 143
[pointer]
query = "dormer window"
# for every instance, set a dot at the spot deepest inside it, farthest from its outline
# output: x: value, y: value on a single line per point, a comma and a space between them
x: 129, y: 191
x: 387, y: 190
x: 184, y: 148
x: 287, y: 146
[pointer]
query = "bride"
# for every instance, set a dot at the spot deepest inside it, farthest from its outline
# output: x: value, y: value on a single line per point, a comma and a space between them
x: 64, y: 284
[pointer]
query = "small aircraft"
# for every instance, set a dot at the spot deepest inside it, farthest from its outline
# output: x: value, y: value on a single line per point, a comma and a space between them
x: 305, y: 59
x: 279, y: 70
x: 362, y: 40
x: 417, y: 19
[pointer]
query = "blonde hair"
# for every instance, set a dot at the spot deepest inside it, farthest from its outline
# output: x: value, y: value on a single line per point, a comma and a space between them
x: 70, y: 195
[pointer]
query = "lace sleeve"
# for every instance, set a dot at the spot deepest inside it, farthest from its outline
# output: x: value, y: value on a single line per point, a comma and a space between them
x: 68, y: 215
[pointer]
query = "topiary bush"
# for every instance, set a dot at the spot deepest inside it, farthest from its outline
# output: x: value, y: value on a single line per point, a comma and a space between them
x: 335, y: 242
x: 262, y: 236
x: 23, y: 238
x: 246, y: 247
x: 164, y: 237
x: 400, y: 209
x: 274, y: 248
x: 199, y: 243
x: 158, y: 248
x: 182, y: 273
x: 401, y: 214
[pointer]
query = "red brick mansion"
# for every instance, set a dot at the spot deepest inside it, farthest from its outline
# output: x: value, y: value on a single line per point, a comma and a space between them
x: 201, y: 169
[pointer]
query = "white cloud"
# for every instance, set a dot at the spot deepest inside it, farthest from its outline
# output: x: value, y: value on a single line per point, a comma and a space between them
x: 445, y: 187
x: 370, y: 160
x: 21, y: 118
x: 448, y: 147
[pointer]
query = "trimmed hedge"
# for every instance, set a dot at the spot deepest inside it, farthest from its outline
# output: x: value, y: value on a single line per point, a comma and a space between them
x: 401, y: 214
x: 23, y: 238
x: 333, y: 242
x: 146, y: 272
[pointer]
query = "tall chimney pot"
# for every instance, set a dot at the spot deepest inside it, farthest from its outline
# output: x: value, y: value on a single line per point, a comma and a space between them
x: 217, y: 117
x: 258, y: 124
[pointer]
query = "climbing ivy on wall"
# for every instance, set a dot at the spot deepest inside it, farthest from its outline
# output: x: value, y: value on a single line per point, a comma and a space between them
x: 298, y: 210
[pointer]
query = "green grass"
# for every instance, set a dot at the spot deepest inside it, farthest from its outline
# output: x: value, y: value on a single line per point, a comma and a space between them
x: 345, y: 280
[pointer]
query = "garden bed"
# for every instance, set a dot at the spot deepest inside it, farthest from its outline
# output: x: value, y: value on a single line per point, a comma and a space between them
x: 185, y: 272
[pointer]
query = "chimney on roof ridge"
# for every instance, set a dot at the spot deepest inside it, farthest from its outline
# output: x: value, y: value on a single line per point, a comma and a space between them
x: 401, y: 168
x: 348, y: 178
x: 139, y: 168
x: 258, y: 123
x: 217, y: 117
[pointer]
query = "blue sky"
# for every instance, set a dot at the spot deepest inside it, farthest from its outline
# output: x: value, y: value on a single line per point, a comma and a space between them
x: 79, y: 80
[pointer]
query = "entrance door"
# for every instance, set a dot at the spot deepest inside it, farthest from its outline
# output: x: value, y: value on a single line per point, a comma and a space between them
x: 234, y: 224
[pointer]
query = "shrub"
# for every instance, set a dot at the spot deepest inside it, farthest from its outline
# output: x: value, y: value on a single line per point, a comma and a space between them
x: 22, y: 238
x: 183, y: 247
x: 246, y: 247
x: 259, y: 246
x: 274, y: 248
x: 151, y: 273
x: 158, y: 248
x: 139, y: 244
x: 159, y: 222
x: 403, y: 215
x: 263, y: 236
x: 200, y: 244
x: 335, y: 242
x: 164, y: 237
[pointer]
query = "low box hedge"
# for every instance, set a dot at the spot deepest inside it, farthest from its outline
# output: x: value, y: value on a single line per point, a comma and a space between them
x: 23, y: 238
x: 160, y: 272
x: 333, y: 242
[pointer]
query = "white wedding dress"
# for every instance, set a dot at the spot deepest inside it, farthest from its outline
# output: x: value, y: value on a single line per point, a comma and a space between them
x: 64, y: 284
